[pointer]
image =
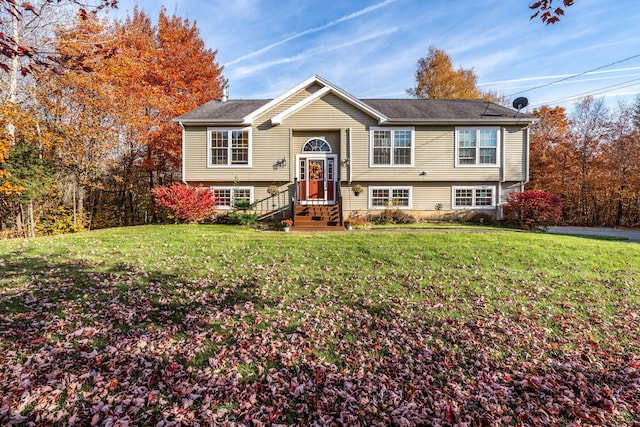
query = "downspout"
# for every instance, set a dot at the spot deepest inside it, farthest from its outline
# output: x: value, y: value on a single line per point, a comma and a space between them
x: 184, y: 180
x: 350, y: 152
x: 499, y: 214
x: 526, y: 157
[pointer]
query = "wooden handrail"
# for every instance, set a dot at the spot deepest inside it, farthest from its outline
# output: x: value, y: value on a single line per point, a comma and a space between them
x: 294, y: 200
x: 339, y: 198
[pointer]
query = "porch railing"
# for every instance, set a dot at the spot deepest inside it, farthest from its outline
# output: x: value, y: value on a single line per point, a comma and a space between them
x: 273, y: 207
x: 294, y: 200
x: 339, y: 200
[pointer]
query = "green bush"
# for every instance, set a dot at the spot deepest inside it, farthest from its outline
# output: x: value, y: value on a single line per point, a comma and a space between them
x: 237, y: 218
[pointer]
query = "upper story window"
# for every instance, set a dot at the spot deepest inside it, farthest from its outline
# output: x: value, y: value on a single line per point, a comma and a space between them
x: 229, y: 147
x: 392, y: 146
x: 317, y: 144
x: 477, y: 146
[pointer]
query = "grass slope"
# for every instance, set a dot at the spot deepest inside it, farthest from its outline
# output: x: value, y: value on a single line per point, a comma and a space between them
x: 223, y: 325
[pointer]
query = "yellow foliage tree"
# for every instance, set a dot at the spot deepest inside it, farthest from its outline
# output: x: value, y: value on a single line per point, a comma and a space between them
x: 437, y: 79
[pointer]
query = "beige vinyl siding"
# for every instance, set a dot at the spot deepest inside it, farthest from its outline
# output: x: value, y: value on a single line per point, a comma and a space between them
x: 514, y: 151
x: 425, y: 195
x: 434, y: 154
x: 263, y: 121
x: 508, y: 187
x: 267, y: 148
x: 195, y: 154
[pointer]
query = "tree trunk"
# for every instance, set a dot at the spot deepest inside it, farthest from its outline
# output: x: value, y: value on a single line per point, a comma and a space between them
x: 32, y: 222
x: 19, y: 221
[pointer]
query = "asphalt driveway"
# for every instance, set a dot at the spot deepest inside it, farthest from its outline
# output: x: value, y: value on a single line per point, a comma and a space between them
x: 632, y: 235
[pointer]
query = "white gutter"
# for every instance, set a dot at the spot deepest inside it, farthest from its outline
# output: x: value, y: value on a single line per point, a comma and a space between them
x: 350, y: 154
x: 526, y: 157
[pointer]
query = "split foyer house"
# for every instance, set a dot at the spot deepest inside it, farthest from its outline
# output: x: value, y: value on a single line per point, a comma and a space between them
x: 304, y: 154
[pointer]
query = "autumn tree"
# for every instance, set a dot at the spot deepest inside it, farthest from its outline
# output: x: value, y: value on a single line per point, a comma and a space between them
x: 590, y: 133
x: 163, y: 71
x: 551, y: 153
x: 76, y: 104
x: 436, y: 78
x: 621, y: 170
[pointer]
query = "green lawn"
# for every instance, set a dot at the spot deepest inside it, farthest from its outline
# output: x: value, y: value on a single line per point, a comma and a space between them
x: 226, y: 324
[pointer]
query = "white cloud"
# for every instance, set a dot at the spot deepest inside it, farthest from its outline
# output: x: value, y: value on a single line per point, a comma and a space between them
x: 312, y: 30
x: 248, y: 70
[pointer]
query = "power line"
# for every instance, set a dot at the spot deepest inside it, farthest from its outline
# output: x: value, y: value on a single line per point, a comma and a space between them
x: 574, y: 76
x: 596, y: 92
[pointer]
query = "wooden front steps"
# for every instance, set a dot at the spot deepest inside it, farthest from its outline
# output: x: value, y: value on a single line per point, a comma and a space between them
x: 317, y: 218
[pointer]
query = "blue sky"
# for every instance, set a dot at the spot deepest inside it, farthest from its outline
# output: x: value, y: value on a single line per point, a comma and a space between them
x: 370, y: 48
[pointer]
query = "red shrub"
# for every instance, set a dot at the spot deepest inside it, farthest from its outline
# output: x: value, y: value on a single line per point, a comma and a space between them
x: 532, y: 209
x: 185, y: 203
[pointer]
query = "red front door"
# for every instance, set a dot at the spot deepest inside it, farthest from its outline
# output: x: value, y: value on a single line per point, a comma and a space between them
x: 317, y: 179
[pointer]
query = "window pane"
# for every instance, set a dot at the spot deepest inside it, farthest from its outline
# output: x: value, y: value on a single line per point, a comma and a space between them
x: 379, y: 197
x: 488, y: 156
x: 219, y: 148
x: 464, y: 197
x: 467, y: 138
x: 303, y: 175
x: 402, y: 138
x: 317, y: 145
x: 488, y: 138
x: 239, y: 147
x: 224, y: 197
x: 381, y: 138
x: 381, y: 147
x: 382, y: 156
x: 467, y: 156
x: 484, y: 197
x: 400, y: 197
x: 402, y: 156
x: 242, y: 194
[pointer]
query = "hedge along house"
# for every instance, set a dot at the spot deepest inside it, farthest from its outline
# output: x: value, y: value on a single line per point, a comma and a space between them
x: 304, y: 154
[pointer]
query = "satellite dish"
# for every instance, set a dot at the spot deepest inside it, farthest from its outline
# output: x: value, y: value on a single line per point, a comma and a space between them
x: 520, y: 103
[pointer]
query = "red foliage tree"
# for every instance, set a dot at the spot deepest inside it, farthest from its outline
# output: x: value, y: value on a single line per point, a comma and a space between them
x: 185, y: 203
x: 533, y: 209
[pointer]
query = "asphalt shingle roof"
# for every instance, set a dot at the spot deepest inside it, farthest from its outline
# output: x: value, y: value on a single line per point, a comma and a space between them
x: 231, y: 110
x: 439, y: 109
x: 395, y: 109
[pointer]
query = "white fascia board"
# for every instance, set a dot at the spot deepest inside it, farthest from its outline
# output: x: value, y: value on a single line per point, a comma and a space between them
x: 269, y: 105
x: 346, y: 96
x: 328, y: 88
x: 276, y: 120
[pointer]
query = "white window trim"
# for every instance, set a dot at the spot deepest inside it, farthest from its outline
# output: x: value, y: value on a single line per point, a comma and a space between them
x: 477, y: 164
x: 390, y: 188
x: 392, y: 129
x: 215, y: 188
x: 229, y: 164
x: 473, y: 203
